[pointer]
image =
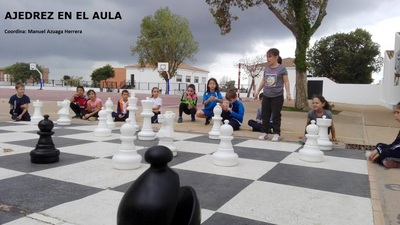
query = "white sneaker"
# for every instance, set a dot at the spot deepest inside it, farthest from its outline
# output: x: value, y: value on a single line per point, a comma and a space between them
x: 263, y: 136
x: 275, y: 137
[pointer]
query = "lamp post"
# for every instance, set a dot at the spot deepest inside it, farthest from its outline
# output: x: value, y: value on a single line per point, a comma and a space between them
x: 33, y: 67
x: 239, y: 82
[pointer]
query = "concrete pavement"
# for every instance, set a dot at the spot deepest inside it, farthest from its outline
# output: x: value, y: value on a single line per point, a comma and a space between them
x: 356, y: 125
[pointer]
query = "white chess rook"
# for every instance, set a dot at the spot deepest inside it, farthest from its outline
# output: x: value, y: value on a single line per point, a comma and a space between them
x: 127, y: 157
x: 63, y: 113
x: 109, y: 110
x: 311, y: 151
x: 225, y: 155
x: 214, y: 133
x: 147, y: 132
x: 102, y: 129
x: 323, y: 141
x: 166, y: 133
x: 37, y: 114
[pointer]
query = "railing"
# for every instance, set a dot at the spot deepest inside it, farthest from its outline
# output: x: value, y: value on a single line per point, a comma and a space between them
x: 175, y: 88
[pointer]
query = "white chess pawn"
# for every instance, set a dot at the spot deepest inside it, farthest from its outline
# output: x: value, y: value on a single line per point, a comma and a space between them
x: 311, y: 151
x: 37, y: 114
x: 109, y: 110
x: 147, y: 132
x: 214, y: 133
x: 102, y: 129
x: 166, y: 133
x: 323, y: 140
x: 63, y: 113
x: 132, y: 108
x: 225, y: 155
x: 127, y: 157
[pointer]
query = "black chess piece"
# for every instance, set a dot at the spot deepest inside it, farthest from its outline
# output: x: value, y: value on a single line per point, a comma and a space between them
x: 188, y: 210
x: 153, y: 197
x: 45, y: 151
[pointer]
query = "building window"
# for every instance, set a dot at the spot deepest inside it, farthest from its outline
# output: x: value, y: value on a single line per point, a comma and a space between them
x: 203, y: 80
x: 188, y: 79
x: 196, y: 79
x: 178, y: 78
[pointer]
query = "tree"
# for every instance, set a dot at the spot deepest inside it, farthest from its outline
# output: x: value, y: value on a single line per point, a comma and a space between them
x: 345, y: 58
x: 253, y: 66
x: 21, y: 71
x: 301, y: 17
x: 165, y: 37
x: 103, y: 73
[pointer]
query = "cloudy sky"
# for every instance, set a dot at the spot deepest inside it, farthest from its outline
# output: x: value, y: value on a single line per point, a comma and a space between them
x: 109, y: 41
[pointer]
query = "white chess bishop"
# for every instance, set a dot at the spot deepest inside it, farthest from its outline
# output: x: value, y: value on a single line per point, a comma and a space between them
x: 132, y: 108
x: 215, y: 130
x: 37, y: 114
x: 109, y: 110
x: 311, y: 151
x: 127, y: 157
x: 63, y: 113
x: 323, y: 140
x: 102, y: 129
x: 166, y: 133
x: 225, y: 155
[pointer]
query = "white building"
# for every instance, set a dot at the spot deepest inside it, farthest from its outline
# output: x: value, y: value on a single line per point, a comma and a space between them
x: 148, y: 77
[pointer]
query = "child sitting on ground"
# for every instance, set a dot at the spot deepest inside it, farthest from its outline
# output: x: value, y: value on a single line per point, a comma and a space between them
x: 188, y: 103
x: 388, y: 154
x: 19, y: 104
x: 122, y: 111
x: 156, y: 105
x: 321, y: 107
x: 210, y: 99
x: 257, y: 124
x: 234, y: 112
x: 93, y: 106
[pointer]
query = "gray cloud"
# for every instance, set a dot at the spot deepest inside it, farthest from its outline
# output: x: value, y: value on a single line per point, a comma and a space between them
x: 110, y: 40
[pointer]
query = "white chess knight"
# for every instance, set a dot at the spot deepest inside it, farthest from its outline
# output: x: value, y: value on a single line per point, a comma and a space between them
x: 311, y: 151
x: 166, y: 133
x: 147, y: 132
x: 323, y: 141
x: 225, y: 155
x: 214, y: 133
x: 127, y: 157
x: 63, y: 113
x: 132, y: 108
x: 102, y: 129
x: 109, y: 110
x: 37, y: 114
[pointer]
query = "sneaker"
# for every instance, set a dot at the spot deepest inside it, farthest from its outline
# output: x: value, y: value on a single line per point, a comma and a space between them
x: 193, y: 119
x: 180, y: 120
x: 302, y: 141
x: 14, y: 117
x: 263, y: 136
x: 76, y: 116
x: 275, y: 137
x: 391, y: 163
x: 208, y: 119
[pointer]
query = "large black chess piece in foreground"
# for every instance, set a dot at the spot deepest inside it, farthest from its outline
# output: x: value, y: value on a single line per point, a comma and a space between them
x: 155, y: 198
x: 45, y: 152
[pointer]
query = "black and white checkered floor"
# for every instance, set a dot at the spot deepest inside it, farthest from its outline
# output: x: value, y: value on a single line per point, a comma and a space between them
x: 270, y: 185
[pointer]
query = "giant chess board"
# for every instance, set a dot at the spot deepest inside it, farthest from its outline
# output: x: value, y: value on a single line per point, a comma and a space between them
x: 270, y: 185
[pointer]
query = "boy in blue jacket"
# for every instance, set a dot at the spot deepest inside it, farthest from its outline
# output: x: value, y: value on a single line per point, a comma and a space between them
x: 234, y: 112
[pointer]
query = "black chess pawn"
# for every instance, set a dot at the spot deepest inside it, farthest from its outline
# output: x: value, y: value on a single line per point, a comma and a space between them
x: 45, y: 152
x: 153, y: 197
